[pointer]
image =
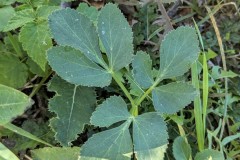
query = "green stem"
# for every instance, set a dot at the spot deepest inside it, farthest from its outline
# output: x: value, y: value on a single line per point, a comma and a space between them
x: 36, y: 89
x: 148, y: 91
x: 15, y: 45
x: 134, y: 109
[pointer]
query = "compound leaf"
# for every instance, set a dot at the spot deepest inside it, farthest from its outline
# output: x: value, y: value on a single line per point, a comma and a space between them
x: 12, y: 103
x: 172, y: 97
x: 70, y: 28
x: 36, y: 40
x: 209, y: 154
x: 73, y: 105
x: 110, y: 144
x: 142, y: 69
x: 181, y: 149
x: 177, y: 52
x: 19, y: 19
x: 116, y: 36
x: 56, y: 153
x: 13, y: 73
x: 149, y: 133
x: 76, y: 68
x: 113, y: 110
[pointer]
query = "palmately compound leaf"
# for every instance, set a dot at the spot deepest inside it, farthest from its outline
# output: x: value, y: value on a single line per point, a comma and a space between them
x: 177, y: 52
x: 19, y: 19
x: 56, y: 153
x: 12, y: 103
x: 13, y: 72
x: 111, y: 144
x: 113, y: 110
x: 116, y: 36
x: 73, y: 105
x: 172, y: 97
x: 149, y: 135
x: 142, y: 69
x: 36, y: 40
x: 70, y: 28
x: 209, y: 154
x: 181, y: 149
x: 76, y: 68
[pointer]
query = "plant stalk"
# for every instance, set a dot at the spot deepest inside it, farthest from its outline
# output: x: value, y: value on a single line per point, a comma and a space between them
x: 134, y: 109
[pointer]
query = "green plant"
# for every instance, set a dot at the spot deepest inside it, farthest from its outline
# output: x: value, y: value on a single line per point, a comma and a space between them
x: 79, y: 61
x: 110, y: 102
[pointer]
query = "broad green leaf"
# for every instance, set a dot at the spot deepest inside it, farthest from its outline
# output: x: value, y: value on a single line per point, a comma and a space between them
x: 13, y: 72
x: 19, y: 19
x: 36, y: 69
x: 36, y: 40
x: 6, y: 2
x: 5, y: 14
x: 24, y: 133
x: 12, y: 103
x: 113, y: 110
x: 76, y: 68
x: 209, y: 154
x: 76, y: 31
x: 6, y: 154
x: 173, y: 97
x: 142, y: 69
x: 116, y: 36
x: 56, y: 153
x: 149, y: 132
x: 156, y: 153
x: 45, y: 11
x: 110, y: 144
x: 178, y: 51
x: 90, y: 12
x: 74, y: 106
x: 181, y: 149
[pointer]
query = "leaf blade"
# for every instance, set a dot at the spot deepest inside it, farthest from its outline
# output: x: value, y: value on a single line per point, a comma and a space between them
x: 36, y: 40
x: 12, y: 103
x: 147, y: 130
x: 112, y: 144
x: 56, y: 153
x: 75, y: 101
x: 76, y: 31
x: 19, y: 19
x: 75, y: 68
x: 181, y: 149
x: 116, y: 36
x: 113, y: 110
x: 142, y: 69
x: 178, y: 51
x: 172, y: 97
